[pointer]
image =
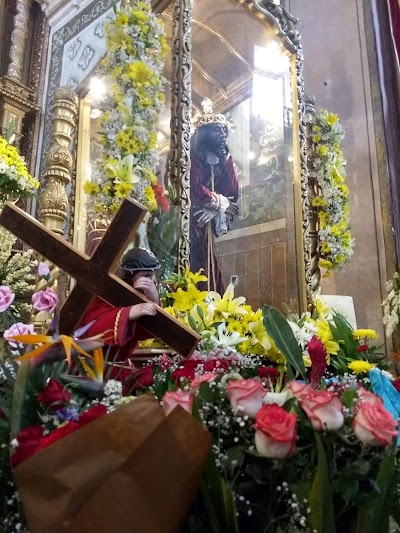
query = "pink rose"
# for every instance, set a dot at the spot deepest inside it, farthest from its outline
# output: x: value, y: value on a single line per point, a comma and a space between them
x: 6, y: 297
x: 45, y: 300
x: 246, y: 396
x: 18, y: 329
x: 373, y: 424
x: 205, y: 378
x: 323, y: 408
x: 172, y: 399
x: 276, y: 432
x: 365, y: 395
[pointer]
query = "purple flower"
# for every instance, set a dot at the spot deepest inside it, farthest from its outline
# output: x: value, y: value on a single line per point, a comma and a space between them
x: 43, y: 270
x: 18, y: 329
x: 65, y: 414
x: 6, y: 297
x: 46, y: 300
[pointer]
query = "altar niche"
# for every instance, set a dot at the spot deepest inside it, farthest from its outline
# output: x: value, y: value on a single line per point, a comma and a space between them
x: 245, y: 57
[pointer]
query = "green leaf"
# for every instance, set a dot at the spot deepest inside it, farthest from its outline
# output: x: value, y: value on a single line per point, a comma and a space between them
x: 218, y: 500
x: 19, y: 397
x: 376, y: 517
x: 200, y: 312
x: 279, y: 330
x: 322, y: 514
x: 348, y: 488
x: 348, y: 397
x: 192, y: 322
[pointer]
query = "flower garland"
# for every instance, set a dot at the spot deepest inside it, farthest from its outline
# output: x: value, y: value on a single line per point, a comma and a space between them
x: 132, y: 70
x: 336, y: 244
x: 391, y: 306
x: 15, y: 180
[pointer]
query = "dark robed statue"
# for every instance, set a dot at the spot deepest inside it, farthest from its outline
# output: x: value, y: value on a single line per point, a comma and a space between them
x: 213, y: 192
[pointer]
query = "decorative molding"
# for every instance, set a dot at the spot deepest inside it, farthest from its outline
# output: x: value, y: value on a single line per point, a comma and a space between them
x: 314, y: 272
x: 181, y: 104
x: 18, y: 39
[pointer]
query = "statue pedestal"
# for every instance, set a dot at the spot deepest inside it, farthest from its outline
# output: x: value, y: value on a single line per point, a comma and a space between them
x: 341, y: 304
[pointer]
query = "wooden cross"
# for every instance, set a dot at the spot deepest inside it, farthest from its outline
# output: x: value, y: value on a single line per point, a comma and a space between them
x: 94, y: 276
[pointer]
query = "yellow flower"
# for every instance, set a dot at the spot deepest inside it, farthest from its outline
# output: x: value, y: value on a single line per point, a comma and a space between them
x: 363, y: 333
x: 235, y: 325
x: 360, y: 367
x: 194, y: 278
x: 324, y: 263
x: 322, y: 150
x: 91, y: 188
x: 318, y: 201
x: 185, y: 300
x: 321, y: 309
x: 227, y: 304
x: 316, y: 138
x: 325, y: 248
x: 331, y: 119
x: 122, y: 190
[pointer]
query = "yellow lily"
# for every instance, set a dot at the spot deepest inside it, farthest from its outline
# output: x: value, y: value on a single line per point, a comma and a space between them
x: 185, y: 300
x: 227, y: 305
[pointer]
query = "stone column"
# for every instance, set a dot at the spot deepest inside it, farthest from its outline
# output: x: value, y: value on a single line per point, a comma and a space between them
x: 53, y: 200
x: 18, y: 39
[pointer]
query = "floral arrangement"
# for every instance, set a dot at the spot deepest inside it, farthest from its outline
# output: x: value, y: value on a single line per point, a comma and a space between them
x: 303, y: 440
x: 132, y: 71
x: 15, y: 180
x: 17, y: 280
x: 391, y: 306
x: 329, y: 169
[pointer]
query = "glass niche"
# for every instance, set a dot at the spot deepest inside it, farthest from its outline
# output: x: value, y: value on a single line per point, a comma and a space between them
x: 244, y: 156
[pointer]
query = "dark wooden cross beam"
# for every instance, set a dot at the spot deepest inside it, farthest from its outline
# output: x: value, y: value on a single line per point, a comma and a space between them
x: 94, y: 276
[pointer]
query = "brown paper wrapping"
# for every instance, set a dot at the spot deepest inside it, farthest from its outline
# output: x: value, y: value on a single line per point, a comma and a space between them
x: 133, y: 470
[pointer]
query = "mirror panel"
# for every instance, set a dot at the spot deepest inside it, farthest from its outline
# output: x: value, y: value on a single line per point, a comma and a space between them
x: 247, y: 74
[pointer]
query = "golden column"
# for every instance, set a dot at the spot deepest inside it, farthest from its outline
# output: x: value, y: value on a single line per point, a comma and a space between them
x: 53, y: 200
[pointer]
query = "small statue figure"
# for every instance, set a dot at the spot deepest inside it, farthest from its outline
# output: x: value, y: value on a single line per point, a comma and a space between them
x: 213, y: 192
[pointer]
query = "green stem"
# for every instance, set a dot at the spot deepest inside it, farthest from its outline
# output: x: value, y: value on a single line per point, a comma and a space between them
x: 19, y: 397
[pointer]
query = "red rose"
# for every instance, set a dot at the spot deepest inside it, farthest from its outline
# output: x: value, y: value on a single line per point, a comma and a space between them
x: 245, y: 395
x: 29, y: 440
x: 373, y: 424
x: 276, y: 432
x: 186, y: 370
x: 268, y: 373
x: 323, y: 408
x: 214, y: 365
x: 54, y: 392
x: 145, y: 377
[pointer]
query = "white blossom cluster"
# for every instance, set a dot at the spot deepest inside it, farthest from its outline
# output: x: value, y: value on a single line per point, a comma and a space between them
x: 391, y: 306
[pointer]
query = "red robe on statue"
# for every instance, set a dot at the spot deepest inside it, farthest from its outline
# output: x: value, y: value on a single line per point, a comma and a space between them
x: 121, y: 333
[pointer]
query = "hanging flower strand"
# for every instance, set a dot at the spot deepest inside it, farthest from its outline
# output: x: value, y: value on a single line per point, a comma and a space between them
x: 336, y: 243
x: 132, y: 70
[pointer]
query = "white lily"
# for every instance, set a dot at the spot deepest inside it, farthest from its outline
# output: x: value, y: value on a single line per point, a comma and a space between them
x: 225, y: 338
x: 124, y: 170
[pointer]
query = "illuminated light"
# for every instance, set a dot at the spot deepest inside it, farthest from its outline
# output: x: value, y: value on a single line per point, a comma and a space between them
x: 160, y: 136
x: 290, y: 159
x: 251, y: 156
x: 97, y: 88
x: 95, y: 112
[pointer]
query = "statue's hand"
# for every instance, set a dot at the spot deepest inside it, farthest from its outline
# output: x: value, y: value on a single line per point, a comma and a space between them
x: 204, y: 216
x: 232, y: 210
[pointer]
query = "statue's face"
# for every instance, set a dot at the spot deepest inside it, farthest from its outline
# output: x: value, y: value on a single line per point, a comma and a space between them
x: 213, y: 136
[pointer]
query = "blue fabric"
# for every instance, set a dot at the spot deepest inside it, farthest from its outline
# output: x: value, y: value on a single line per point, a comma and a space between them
x: 383, y: 387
